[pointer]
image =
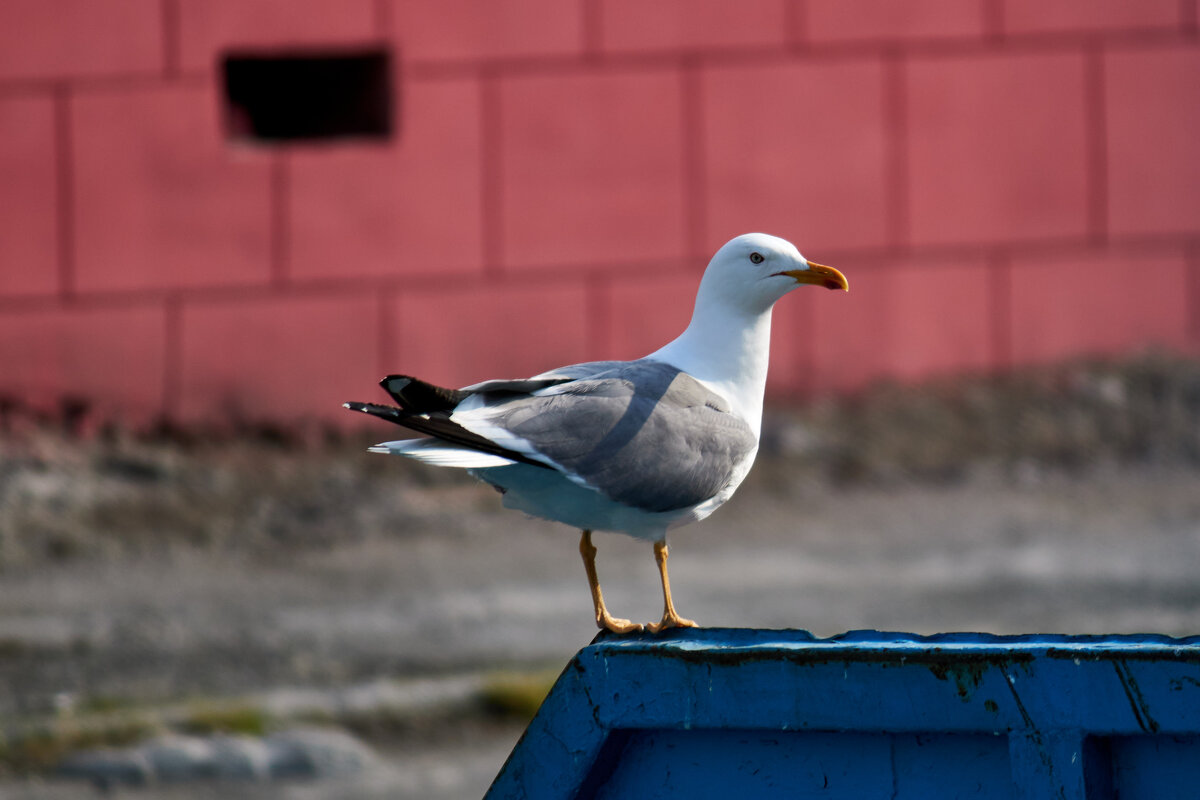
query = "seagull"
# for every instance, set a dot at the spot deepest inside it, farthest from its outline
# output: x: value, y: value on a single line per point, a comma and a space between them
x: 635, y: 447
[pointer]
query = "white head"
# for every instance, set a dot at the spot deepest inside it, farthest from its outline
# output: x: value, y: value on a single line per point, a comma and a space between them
x: 726, y: 344
x: 752, y: 271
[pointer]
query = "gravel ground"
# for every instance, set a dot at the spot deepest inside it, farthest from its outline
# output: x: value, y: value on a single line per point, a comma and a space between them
x: 142, y: 571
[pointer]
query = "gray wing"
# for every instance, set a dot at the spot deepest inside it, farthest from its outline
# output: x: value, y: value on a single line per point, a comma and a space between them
x: 642, y: 432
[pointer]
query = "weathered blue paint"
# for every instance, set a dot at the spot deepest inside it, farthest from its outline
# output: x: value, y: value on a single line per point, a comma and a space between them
x: 750, y: 713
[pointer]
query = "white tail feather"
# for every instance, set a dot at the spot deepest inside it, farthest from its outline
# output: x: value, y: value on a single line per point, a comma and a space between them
x: 440, y: 454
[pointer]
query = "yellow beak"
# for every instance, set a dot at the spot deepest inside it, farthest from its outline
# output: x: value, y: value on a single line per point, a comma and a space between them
x: 819, y: 275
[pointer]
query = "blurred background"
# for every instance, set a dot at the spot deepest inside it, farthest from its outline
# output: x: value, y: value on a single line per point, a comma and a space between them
x: 220, y: 219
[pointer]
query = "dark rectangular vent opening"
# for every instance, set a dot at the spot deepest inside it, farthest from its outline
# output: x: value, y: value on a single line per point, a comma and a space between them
x: 309, y: 96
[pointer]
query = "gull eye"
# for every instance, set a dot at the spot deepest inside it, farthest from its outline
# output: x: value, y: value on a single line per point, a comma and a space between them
x: 756, y: 258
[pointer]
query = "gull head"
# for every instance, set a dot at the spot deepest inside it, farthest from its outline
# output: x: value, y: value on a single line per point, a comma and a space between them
x: 754, y: 270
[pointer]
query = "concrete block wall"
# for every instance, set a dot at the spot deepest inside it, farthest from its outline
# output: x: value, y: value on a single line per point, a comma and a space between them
x: 1004, y: 181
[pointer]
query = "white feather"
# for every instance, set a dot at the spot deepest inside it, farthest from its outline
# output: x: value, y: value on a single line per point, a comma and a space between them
x: 441, y: 454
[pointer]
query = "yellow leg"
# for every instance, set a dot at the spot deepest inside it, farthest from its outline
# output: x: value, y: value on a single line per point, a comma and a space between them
x: 671, y: 618
x: 604, y: 620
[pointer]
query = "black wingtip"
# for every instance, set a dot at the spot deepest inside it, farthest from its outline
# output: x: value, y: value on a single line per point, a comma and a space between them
x: 396, y: 381
x: 441, y: 427
x: 389, y: 413
x: 421, y: 397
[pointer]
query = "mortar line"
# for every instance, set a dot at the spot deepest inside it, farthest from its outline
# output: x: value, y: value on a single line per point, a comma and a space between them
x: 491, y: 173
x: 592, y: 29
x: 795, y: 23
x: 280, y: 224
x: 1000, y: 310
x: 64, y: 175
x: 598, y: 317
x: 1096, y: 143
x: 381, y: 17
x: 695, y: 179
x: 993, y: 20
x: 897, y: 176
x: 170, y: 38
x: 1187, y: 17
x: 1192, y: 299
x: 386, y: 351
x: 172, y: 387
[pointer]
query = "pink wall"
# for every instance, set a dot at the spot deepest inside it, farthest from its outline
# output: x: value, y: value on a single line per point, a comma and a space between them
x: 1004, y: 181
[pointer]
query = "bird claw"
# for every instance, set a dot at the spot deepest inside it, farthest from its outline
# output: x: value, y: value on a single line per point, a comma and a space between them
x: 670, y: 621
x: 616, y: 625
